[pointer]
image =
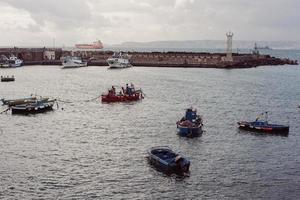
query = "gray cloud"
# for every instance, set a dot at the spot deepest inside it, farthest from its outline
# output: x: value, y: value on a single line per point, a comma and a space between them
x: 71, y: 21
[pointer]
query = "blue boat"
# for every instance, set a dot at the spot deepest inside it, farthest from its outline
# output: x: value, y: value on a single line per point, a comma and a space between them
x: 190, y: 125
x: 166, y: 160
x: 261, y: 125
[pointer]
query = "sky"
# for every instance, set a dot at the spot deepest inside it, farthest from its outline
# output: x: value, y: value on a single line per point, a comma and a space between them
x: 66, y: 22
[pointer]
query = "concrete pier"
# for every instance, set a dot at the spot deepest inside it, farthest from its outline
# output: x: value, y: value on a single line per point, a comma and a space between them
x: 51, y: 56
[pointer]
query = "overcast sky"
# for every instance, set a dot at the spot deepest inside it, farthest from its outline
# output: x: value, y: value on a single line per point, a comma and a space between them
x: 37, y: 22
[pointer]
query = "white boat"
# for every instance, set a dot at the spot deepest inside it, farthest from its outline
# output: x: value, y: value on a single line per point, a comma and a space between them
x: 12, y: 61
x: 72, y: 62
x: 119, y: 61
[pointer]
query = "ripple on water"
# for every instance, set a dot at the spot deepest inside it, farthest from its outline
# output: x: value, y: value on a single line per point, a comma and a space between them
x: 91, y: 150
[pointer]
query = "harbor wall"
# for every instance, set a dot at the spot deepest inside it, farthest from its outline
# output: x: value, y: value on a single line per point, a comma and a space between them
x: 52, y: 56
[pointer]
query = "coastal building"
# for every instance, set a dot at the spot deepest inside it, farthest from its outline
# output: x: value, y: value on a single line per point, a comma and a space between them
x: 49, y: 55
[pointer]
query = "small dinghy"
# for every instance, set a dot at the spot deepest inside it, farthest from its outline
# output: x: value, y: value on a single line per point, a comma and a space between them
x: 33, y: 108
x: 14, y: 102
x: 168, y: 161
x: 261, y: 125
x: 128, y: 94
x: 190, y: 125
x: 7, y: 79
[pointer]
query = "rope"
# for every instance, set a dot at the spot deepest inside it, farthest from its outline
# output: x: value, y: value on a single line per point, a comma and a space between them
x: 64, y: 101
x: 92, y: 99
x: 4, y: 110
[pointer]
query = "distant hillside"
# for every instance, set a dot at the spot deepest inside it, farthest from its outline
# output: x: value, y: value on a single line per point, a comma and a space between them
x: 210, y: 44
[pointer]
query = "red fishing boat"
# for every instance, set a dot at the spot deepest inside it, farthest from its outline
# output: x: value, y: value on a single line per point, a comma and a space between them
x: 130, y: 94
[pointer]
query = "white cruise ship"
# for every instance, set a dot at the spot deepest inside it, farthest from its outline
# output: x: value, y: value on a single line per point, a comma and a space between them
x: 72, y: 62
x: 119, y: 61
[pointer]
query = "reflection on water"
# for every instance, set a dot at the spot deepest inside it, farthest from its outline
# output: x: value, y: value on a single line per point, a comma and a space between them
x: 91, y: 150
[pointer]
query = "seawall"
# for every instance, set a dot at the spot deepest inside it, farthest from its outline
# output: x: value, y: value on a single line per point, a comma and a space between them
x: 51, y: 56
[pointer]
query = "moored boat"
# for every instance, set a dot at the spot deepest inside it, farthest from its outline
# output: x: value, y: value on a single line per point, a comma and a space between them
x: 190, y: 125
x: 33, y: 108
x: 261, y: 125
x: 119, y: 61
x: 15, y: 61
x: 72, y: 62
x: 128, y: 94
x: 32, y: 99
x: 165, y: 159
x: 7, y: 79
x: 10, y: 62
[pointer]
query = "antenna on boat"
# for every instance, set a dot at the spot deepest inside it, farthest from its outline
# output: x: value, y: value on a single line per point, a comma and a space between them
x: 267, y: 116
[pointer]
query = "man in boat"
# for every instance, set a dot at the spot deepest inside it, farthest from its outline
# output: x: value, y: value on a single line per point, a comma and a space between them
x: 113, y: 89
x: 128, y: 90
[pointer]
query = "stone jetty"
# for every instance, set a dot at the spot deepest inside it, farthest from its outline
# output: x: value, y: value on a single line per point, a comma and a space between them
x: 52, y: 56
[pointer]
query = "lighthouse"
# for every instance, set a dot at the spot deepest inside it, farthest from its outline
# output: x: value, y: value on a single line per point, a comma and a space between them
x: 229, y: 46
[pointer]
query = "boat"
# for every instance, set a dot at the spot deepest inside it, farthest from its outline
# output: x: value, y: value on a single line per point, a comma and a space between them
x: 190, y: 125
x: 7, y: 79
x: 264, y: 48
x: 261, y: 125
x: 10, y: 62
x: 165, y: 159
x: 32, y: 99
x: 15, y: 61
x: 72, y: 62
x: 128, y: 94
x: 96, y: 45
x: 4, y: 62
x: 33, y: 108
x: 119, y: 61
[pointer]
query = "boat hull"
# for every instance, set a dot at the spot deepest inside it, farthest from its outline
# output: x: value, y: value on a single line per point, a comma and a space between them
x: 72, y: 65
x: 121, y: 98
x: 270, y: 128
x: 7, y: 79
x: 163, y: 159
x: 29, y: 100
x: 32, y: 109
x: 184, y: 131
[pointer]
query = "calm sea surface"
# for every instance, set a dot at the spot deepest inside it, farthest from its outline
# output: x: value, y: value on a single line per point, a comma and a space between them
x: 91, y: 150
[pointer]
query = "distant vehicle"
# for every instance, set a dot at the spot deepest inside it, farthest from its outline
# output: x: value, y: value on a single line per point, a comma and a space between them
x: 7, y: 78
x: 96, y: 45
x: 72, y: 62
x: 190, y: 125
x: 119, y: 61
x: 264, y: 48
x: 166, y: 160
x: 261, y: 125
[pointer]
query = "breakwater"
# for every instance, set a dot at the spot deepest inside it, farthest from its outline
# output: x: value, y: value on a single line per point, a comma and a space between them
x: 51, y: 56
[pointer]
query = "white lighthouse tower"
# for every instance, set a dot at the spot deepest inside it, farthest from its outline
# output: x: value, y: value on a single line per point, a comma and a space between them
x: 229, y: 46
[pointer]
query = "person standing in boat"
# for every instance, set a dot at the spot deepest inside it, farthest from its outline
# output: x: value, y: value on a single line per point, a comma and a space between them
x: 128, y: 90
x: 113, y: 89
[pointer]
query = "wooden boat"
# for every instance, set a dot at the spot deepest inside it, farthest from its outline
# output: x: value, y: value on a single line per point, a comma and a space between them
x: 190, y: 125
x: 129, y: 95
x: 164, y: 159
x: 7, y: 79
x: 14, y: 102
x: 262, y: 125
x: 33, y: 108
